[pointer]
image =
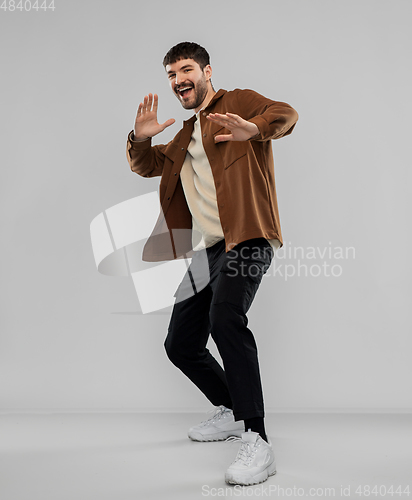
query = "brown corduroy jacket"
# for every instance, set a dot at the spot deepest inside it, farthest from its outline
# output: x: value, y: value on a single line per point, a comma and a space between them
x: 243, y: 172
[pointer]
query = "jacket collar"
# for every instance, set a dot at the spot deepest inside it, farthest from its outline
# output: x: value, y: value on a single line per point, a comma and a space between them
x: 217, y: 96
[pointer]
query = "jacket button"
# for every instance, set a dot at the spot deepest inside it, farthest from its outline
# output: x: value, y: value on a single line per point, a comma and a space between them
x: 183, y: 149
x: 175, y: 173
x: 204, y: 135
x: 169, y: 198
x: 204, y: 114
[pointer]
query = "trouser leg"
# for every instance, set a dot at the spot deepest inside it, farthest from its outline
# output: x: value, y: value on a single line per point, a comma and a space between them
x: 234, y: 289
x: 185, y: 344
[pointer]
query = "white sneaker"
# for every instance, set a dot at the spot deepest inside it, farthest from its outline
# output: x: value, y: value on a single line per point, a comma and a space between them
x: 255, y: 460
x: 217, y: 428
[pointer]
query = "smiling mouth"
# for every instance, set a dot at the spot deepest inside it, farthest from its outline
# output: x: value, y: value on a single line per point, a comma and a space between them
x: 184, y: 92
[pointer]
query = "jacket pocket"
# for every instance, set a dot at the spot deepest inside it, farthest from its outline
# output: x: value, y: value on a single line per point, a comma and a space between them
x: 234, y: 161
x: 233, y: 151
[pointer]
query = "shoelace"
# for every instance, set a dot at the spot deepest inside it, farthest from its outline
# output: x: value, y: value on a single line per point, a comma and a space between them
x: 219, y: 412
x: 246, y: 451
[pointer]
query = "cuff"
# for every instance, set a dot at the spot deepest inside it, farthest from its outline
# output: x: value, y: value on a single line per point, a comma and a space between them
x: 261, y: 125
x: 138, y: 145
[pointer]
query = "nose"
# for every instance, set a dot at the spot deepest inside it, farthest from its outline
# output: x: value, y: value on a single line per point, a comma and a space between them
x: 178, y: 79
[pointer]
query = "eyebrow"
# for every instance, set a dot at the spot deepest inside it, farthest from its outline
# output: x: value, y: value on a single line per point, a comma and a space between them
x: 183, y: 67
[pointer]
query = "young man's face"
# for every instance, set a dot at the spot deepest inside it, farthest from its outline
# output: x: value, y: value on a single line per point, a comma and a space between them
x: 189, y: 83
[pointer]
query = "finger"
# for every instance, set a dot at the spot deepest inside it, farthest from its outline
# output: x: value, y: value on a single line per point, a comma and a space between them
x: 139, y: 110
x: 224, y: 138
x: 237, y: 118
x: 219, y: 121
x: 150, y: 101
x: 155, y: 102
x: 223, y: 120
x: 226, y: 116
x: 217, y: 116
x: 144, y: 107
x: 232, y: 118
x: 167, y: 123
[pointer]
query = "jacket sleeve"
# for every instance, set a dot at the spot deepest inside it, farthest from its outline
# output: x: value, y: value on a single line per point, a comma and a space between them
x: 274, y: 119
x: 145, y: 159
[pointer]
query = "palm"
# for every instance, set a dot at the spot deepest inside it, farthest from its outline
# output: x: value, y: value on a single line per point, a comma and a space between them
x: 146, y: 124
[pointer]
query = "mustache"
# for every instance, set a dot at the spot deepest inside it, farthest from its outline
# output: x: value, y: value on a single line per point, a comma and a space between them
x: 183, y: 86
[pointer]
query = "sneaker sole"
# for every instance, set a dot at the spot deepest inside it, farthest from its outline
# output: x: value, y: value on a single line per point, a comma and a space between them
x: 220, y: 436
x: 257, y: 479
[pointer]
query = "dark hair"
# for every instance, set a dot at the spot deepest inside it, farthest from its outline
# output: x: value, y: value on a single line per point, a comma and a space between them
x: 187, y: 50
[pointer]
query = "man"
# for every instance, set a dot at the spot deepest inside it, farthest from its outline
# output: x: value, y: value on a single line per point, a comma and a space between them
x: 218, y: 182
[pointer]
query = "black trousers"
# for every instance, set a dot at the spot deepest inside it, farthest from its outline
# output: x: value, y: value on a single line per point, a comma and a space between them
x: 219, y: 309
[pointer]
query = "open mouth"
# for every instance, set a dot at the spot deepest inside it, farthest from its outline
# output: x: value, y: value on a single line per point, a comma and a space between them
x: 185, y: 92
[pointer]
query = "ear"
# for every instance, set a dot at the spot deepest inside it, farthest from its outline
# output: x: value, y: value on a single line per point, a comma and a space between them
x: 208, y: 71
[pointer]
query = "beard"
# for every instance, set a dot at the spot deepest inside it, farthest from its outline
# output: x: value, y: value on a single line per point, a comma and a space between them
x: 197, y: 94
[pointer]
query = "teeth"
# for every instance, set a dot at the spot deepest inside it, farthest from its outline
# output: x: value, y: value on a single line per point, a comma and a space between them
x: 186, y: 88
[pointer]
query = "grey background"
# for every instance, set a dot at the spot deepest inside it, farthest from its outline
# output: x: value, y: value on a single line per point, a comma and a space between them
x: 71, y: 83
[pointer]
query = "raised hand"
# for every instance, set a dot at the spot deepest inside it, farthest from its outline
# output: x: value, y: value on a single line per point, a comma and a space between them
x: 241, y: 129
x: 146, y: 124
